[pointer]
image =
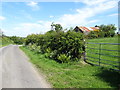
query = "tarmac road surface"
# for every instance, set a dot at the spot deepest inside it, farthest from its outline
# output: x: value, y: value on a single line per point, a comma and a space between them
x: 17, y: 71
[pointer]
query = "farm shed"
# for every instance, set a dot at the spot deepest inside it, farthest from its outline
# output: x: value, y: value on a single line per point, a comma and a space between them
x: 85, y: 30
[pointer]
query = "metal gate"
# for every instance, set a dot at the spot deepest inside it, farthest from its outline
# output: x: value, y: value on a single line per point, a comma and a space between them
x: 103, y: 54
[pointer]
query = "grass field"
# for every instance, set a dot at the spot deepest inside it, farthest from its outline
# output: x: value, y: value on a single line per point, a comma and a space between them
x: 5, y: 41
x: 73, y: 75
x: 109, y: 59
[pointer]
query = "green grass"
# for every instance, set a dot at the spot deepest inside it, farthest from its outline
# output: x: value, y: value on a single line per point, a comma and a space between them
x: 105, y: 40
x: 73, y: 75
x: 4, y: 41
x: 107, y: 46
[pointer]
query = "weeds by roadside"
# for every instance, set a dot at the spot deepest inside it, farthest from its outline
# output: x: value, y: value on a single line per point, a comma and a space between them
x: 73, y: 75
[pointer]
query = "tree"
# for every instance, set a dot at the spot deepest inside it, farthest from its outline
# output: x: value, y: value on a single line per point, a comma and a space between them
x: 17, y: 40
x: 51, y: 31
x: 96, y: 26
x: 31, y: 39
x: 109, y: 30
x: 56, y: 27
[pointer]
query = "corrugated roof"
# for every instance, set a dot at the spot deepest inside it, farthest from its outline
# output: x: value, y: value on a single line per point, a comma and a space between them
x: 94, y: 28
x: 84, y: 28
x: 88, y: 29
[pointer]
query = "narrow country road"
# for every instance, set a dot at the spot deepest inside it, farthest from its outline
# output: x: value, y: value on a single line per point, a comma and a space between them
x: 17, y: 71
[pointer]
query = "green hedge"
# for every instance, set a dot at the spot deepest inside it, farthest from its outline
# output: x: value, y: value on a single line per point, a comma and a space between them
x: 61, y: 46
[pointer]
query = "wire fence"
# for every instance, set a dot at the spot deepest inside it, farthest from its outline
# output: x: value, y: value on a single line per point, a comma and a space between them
x: 103, y: 54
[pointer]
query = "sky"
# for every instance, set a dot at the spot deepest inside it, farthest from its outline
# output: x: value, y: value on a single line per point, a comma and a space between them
x: 24, y: 18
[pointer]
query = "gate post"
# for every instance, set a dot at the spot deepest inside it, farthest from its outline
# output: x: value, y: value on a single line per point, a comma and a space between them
x: 99, y: 53
x: 84, y: 54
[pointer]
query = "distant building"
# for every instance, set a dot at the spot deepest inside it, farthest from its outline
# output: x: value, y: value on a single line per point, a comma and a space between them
x: 85, y: 30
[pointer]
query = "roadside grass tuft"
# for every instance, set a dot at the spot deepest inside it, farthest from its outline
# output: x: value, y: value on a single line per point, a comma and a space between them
x: 73, y: 75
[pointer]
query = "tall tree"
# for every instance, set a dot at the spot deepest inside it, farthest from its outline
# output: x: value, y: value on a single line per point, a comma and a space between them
x: 56, y: 27
x: 109, y: 30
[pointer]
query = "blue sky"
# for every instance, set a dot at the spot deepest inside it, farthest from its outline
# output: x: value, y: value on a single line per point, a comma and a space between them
x: 23, y: 18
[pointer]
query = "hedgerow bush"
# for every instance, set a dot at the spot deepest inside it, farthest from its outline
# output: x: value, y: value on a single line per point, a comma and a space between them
x: 92, y: 34
x: 104, y: 31
x: 61, y: 46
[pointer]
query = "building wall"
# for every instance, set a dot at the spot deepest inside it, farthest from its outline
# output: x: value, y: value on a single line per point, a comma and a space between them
x: 78, y: 30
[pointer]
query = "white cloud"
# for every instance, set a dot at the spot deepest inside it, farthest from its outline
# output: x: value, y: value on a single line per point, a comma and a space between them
x: 37, y: 27
x: 83, y: 15
x: 2, y: 18
x: 34, y: 5
x: 40, y: 21
x: 93, y: 2
x: 93, y: 21
x: 51, y: 16
x: 115, y: 14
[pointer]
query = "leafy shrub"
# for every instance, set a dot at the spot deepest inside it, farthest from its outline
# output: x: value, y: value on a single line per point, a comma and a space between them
x: 92, y: 34
x: 61, y: 46
x: 64, y: 58
x: 112, y: 33
x: 17, y: 40
x: 31, y: 39
x: 104, y: 31
x: 101, y: 34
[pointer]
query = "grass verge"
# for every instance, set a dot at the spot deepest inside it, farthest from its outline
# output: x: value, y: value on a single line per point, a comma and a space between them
x: 73, y: 75
x: 4, y: 41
